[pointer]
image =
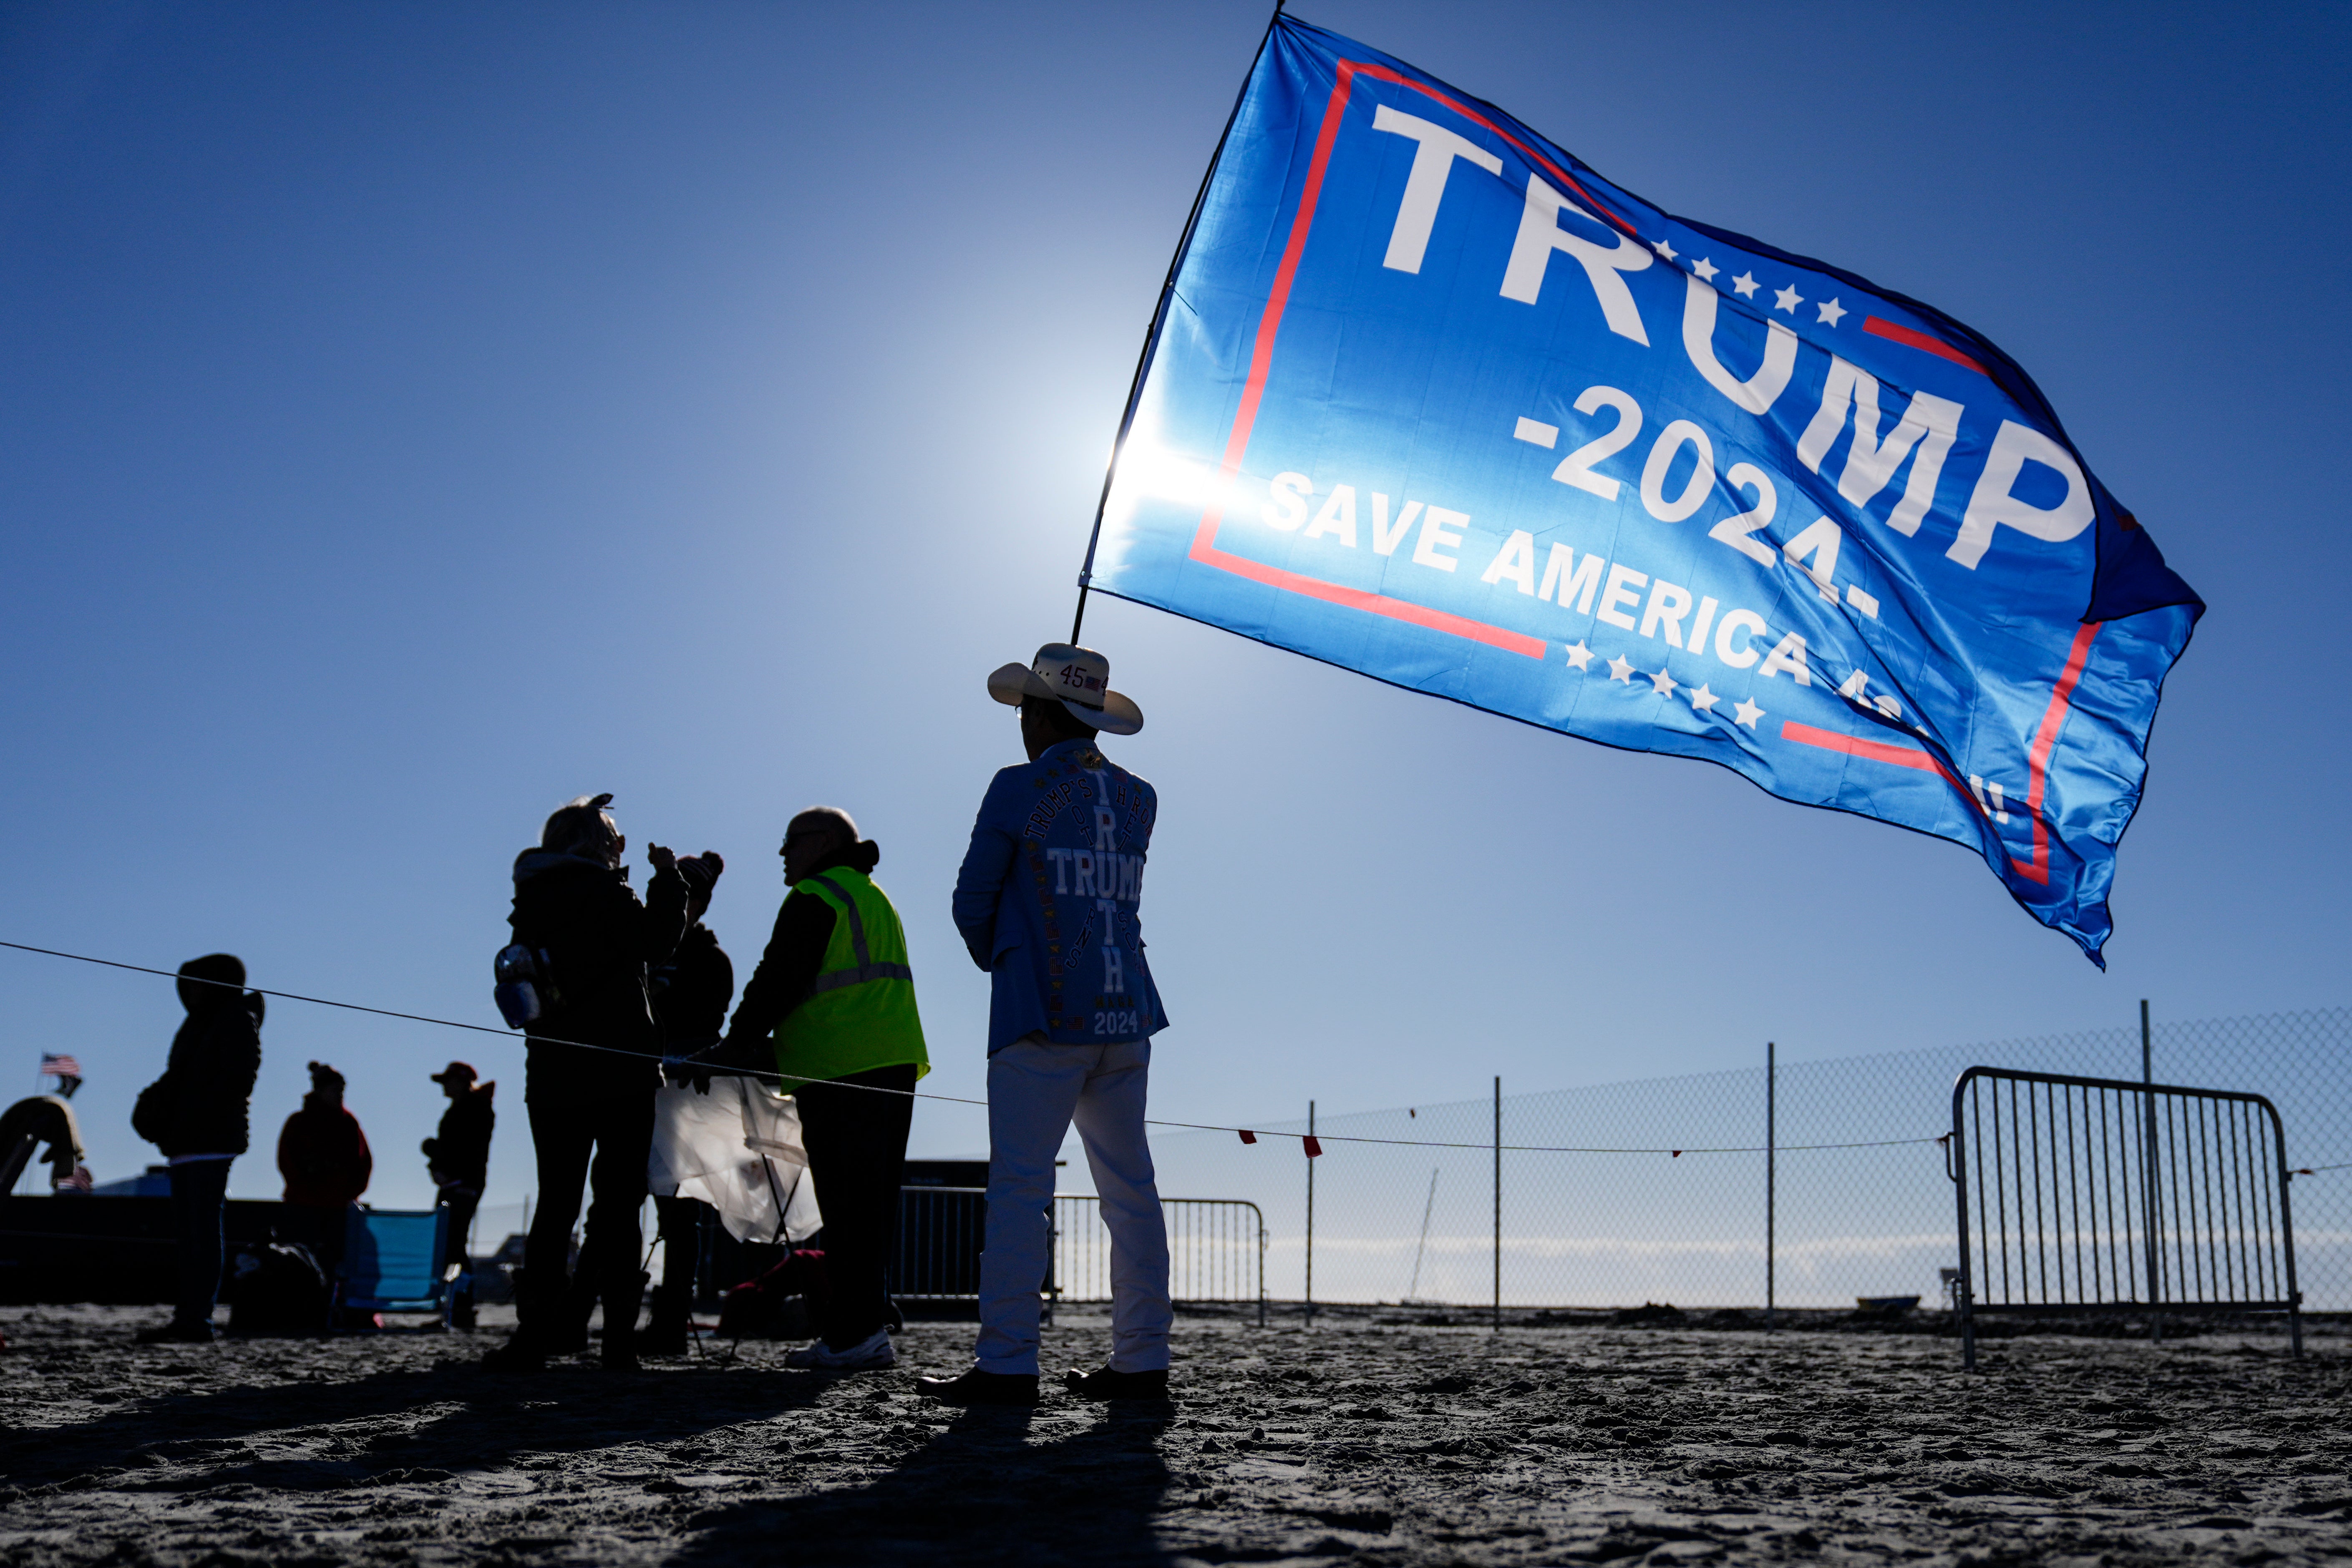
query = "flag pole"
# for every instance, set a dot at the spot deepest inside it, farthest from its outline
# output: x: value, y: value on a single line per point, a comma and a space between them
x: 1159, y: 320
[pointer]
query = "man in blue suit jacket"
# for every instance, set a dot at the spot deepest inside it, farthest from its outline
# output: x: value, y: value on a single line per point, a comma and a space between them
x: 1048, y: 902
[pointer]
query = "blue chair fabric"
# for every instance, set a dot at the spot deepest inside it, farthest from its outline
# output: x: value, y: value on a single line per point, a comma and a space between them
x: 392, y: 1261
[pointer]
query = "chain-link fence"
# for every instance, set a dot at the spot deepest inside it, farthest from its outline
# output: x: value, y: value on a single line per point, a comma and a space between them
x: 1819, y: 1221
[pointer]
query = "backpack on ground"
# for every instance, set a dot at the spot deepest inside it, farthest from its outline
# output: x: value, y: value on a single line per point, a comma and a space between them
x: 782, y: 1304
x: 276, y: 1288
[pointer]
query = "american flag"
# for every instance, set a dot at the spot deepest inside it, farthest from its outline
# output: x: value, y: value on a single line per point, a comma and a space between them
x: 60, y: 1067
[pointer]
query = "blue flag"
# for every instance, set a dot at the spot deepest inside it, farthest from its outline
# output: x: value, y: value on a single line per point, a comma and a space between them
x: 1430, y: 399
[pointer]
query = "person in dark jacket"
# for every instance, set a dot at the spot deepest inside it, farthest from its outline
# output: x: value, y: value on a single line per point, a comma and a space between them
x: 321, y: 1151
x: 591, y: 1068
x: 324, y: 1157
x: 690, y: 992
x: 458, y: 1158
x: 835, y: 994
x: 198, y: 1115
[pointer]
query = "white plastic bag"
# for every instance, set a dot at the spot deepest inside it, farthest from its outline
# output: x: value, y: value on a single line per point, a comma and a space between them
x: 738, y: 1147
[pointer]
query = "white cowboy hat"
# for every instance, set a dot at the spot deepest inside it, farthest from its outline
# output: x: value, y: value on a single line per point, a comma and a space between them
x: 1078, y: 677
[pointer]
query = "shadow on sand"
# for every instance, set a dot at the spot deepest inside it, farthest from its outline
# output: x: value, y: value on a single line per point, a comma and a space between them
x: 447, y: 1417
x: 982, y: 1491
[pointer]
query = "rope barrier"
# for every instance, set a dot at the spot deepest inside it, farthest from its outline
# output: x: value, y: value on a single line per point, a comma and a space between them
x: 1248, y: 1135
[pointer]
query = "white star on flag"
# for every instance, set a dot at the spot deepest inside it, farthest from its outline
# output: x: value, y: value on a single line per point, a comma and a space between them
x: 1578, y: 656
x: 1744, y: 285
x: 1702, y: 700
x: 1663, y: 249
x: 1789, y: 300
x: 1705, y: 269
x: 1747, y: 713
x: 1662, y: 683
x: 1831, y: 313
x: 1620, y: 670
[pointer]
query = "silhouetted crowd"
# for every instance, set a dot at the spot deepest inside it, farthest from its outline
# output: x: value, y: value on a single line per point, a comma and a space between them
x: 614, y: 991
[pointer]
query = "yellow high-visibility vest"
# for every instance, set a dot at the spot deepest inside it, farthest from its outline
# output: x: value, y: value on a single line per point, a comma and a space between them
x: 861, y: 1014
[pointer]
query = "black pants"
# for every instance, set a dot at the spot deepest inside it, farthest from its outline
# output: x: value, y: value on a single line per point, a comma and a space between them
x: 857, y: 1153
x: 199, y: 1204
x: 682, y: 1221
x: 461, y: 1206
x: 610, y: 1117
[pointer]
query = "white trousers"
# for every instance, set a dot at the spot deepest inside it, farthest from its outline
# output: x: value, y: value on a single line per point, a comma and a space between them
x: 1036, y: 1092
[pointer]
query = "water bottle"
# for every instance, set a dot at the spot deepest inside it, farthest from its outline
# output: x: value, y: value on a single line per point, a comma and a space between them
x: 517, y: 969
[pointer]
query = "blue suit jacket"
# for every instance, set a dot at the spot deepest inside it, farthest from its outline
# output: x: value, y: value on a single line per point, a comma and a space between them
x: 1049, y: 897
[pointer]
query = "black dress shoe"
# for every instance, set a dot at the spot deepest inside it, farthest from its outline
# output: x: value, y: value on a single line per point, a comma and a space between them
x: 519, y: 1354
x: 1105, y: 1383
x: 179, y: 1331
x: 978, y: 1387
x: 663, y: 1340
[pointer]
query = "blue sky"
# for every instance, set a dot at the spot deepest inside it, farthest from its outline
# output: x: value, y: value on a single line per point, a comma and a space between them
x: 414, y: 415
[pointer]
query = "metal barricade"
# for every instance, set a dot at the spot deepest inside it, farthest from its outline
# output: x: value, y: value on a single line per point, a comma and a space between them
x: 1216, y: 1250
x: 2091, y: 1194
x: 939, y: 1234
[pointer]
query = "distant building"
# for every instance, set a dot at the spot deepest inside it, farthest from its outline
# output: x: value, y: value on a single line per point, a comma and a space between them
x: 155, y: 1182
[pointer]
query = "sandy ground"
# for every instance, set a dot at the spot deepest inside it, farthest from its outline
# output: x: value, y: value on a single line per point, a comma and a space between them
x: 1357, y: 1440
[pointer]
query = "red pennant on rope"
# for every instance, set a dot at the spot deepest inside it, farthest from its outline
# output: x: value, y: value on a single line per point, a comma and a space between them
x: 1313, y: 1148
x: 1248, y: 1136
x: 1678, y: 1154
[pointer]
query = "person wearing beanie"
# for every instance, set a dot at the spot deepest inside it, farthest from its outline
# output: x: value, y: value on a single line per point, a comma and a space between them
x: 321, y: 1152
x: 458, y: 1158
x: 835, y: 1000
x: 198, y: 1114
x: 690, y: 994
x: 324, y: 1157
x: 590, y: 1071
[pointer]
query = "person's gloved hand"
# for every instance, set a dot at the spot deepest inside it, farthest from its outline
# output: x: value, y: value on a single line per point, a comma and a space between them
x: 659, y: 858
x: 748, y: 1054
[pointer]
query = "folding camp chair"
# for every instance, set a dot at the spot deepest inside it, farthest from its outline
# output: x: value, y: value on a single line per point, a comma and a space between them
x: 392, y: 1262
